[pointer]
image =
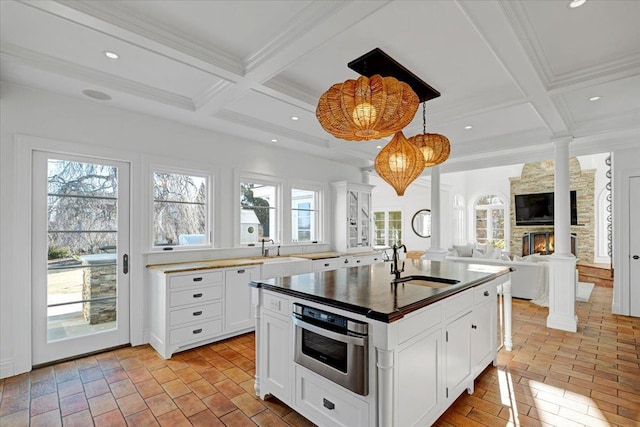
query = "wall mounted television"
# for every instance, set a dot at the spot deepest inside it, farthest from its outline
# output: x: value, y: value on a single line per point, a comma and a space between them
x: 537, y: 209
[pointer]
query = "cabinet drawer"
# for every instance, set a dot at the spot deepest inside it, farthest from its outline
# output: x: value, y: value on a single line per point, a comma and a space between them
x: 484, y: 293
x: 276, y: 304
x: 193, y: 314
x: 196, y: 279
x: 459, y: 304
x: 328, y: 403
x: 328, y: 264
x: 196, y: 332
x: 195, y: 295
x: 419, y: 321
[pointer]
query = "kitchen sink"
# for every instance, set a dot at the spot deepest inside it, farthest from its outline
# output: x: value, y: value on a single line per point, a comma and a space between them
x: 279, y: 259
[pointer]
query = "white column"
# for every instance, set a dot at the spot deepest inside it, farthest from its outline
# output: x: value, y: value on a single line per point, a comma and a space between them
x: 366, y: 173
x: 384, y: 364
x: 562, y: 264
x: 435, y: 252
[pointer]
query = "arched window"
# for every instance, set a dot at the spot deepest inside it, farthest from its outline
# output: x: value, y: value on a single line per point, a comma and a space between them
x: 459, y: 236
x: 489, y: 220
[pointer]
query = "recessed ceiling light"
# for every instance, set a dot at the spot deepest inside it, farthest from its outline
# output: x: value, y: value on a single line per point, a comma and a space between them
x: 111, y: 55
x: 594, y: 98
x: 468, y: 127
x: 294, y: 118
x: 577, y: 3
x: 274, y: 140
x: 96, y: 94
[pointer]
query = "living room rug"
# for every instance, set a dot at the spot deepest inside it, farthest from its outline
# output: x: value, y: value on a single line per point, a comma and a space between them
x: 583, y: 292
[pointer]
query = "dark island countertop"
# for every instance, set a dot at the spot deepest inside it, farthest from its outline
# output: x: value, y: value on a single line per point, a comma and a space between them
x: 369, y: 290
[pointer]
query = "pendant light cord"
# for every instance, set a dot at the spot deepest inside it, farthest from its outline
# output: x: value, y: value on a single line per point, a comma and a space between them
x: 424, y: 117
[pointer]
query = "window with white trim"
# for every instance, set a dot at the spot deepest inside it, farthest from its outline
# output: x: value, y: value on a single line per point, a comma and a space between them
x: 387, y: 228
x: 181, y: 208
x: 489, y: 220
x: 259, y: 211
x: 458, y: 220
x: 305, y: 215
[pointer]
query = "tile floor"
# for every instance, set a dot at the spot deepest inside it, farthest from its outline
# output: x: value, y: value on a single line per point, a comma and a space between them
x: 551, y: 378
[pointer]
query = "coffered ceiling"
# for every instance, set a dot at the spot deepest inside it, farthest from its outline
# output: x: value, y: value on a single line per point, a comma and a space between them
x: 520, y: 73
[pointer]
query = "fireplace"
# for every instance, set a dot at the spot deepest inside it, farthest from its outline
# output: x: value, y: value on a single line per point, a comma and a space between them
x: 542, y: 242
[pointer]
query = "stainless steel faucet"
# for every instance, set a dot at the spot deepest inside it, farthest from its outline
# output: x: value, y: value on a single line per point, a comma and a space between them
x: 394, y: 267
x: 264, y: 253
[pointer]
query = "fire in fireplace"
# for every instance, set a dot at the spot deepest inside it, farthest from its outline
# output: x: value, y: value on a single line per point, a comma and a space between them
x: 542, y: 242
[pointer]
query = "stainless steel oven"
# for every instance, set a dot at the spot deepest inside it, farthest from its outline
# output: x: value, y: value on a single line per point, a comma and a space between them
x: 333, y: 346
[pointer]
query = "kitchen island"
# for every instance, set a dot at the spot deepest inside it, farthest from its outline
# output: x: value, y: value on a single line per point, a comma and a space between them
x: 421, y: 340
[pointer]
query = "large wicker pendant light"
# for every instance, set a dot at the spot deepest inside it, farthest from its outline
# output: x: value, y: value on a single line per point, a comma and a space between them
x: 399, y: 163
x: 367, y: 108
x: 434, y: 147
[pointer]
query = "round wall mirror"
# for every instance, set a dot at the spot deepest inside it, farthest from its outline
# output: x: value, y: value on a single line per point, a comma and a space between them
x: 421, y: 223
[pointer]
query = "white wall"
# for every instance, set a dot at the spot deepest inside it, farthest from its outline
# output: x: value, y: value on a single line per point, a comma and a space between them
x: 141, y: 139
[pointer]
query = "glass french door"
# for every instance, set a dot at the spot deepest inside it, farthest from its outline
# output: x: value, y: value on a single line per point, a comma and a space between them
x: 80, y: 247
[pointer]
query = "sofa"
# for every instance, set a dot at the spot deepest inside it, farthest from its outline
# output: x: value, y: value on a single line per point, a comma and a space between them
x: 528, y: 274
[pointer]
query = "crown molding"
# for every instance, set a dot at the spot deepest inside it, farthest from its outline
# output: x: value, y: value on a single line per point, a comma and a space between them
x: 117, y: 15
x: 89, y: 75
x: 285, y: 86
x: 210, y: 93
x: 311, y: 16
x: 251, y: 122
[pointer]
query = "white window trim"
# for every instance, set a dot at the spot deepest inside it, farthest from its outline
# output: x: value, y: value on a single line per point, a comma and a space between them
x: 461, y: 226
x: 472, y: 217
x: 156, y: 167
x: 240, y: 176
x: 321, y: 191
x: 386, y: 211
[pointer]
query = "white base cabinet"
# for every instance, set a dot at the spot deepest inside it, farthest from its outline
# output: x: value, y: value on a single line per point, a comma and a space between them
x: 193, y: 308
x: 419, y: 364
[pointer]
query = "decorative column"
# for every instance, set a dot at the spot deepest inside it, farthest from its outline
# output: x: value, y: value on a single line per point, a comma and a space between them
x: 562, y: 264
x: 435, y: 252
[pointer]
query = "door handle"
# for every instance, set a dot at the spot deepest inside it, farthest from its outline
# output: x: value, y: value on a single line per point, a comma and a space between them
x: 636, y: 257
x: 486, y: 293
x: 125, y: 263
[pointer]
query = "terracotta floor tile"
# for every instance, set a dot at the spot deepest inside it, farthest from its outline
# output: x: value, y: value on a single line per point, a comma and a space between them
x: 43, y: 387
x: 176, y: 388
x: 277, y: 407
x: 219, y: 404
x: 202, y: 388
x: 15, y: 419
x: 205, y: 419
x: 188, y: 374
x: 42, y: 374
x: 164, y: 375
x: 174, y: 419
x: 236, y: 374
x: 237, y: 419
x: 198, y: 364
x: 142, y: 419
x: 74, y: 403
x: 115, y: 375
x: 268, y: 419
x: 91, y: 374
x: 102, y: 404
x: 66, y: 374
x: 78, y: 419
x: 149, y: 388
x: 248, y: 404
x: 45, y: 403
x: 47, y: 419
x: 139, y: 375
x: 131, y: 404
x: 229, y: 388
x: 189, y: 404
x: 70, y: 387
x: 15, y: 403
x: 110, y: 419
x: 160, y: 404
x: 213, y: 375
x: 122, y: 388
x: 131, y: 363
x: 96, y: 388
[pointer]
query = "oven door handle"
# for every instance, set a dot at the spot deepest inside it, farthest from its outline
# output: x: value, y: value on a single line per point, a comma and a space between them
x: 347, y: 339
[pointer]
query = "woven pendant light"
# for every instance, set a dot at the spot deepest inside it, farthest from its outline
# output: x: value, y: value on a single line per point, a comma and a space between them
x: 367, y: 108
x: 434, y: 147
x: 399, y: 163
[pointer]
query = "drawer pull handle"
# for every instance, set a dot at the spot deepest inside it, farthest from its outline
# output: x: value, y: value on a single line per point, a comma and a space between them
x: 358, y: 262
x: 327, y: 264
x: 486, y: 293
x: 197, y: 331
x: 197, y: 279
x: 474, y: 327
x: 197, y: 313
x: 328, y: 404
x: 197, y: 295
x: 240, y: 271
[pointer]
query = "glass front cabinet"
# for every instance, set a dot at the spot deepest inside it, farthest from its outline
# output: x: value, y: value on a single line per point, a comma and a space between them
x: 352, y: 220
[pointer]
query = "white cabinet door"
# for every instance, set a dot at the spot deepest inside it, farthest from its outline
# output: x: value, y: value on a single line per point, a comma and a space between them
x: 238, y: 309
x: 276, y: 359
x: 483, y: 331
x: 419, y: 392
x: 458, y: 356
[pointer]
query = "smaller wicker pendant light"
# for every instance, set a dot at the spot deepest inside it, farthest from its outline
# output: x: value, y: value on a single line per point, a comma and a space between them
x: 367, y: 108
x: 434, y: 147
x: 399, y: 163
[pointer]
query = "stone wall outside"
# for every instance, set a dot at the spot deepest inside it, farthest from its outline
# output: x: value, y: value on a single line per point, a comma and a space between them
x: 538, y: 177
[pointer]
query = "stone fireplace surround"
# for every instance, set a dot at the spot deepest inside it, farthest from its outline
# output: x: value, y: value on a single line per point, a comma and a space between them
x: 538, y: 177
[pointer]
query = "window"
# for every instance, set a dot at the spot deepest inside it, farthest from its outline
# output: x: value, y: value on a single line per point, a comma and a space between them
x: 387, y: 228
x: 304, y: 215
x: 489, y: 220
x: 458, y: 220
x: 259, y: 211
x: 180, y: 209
